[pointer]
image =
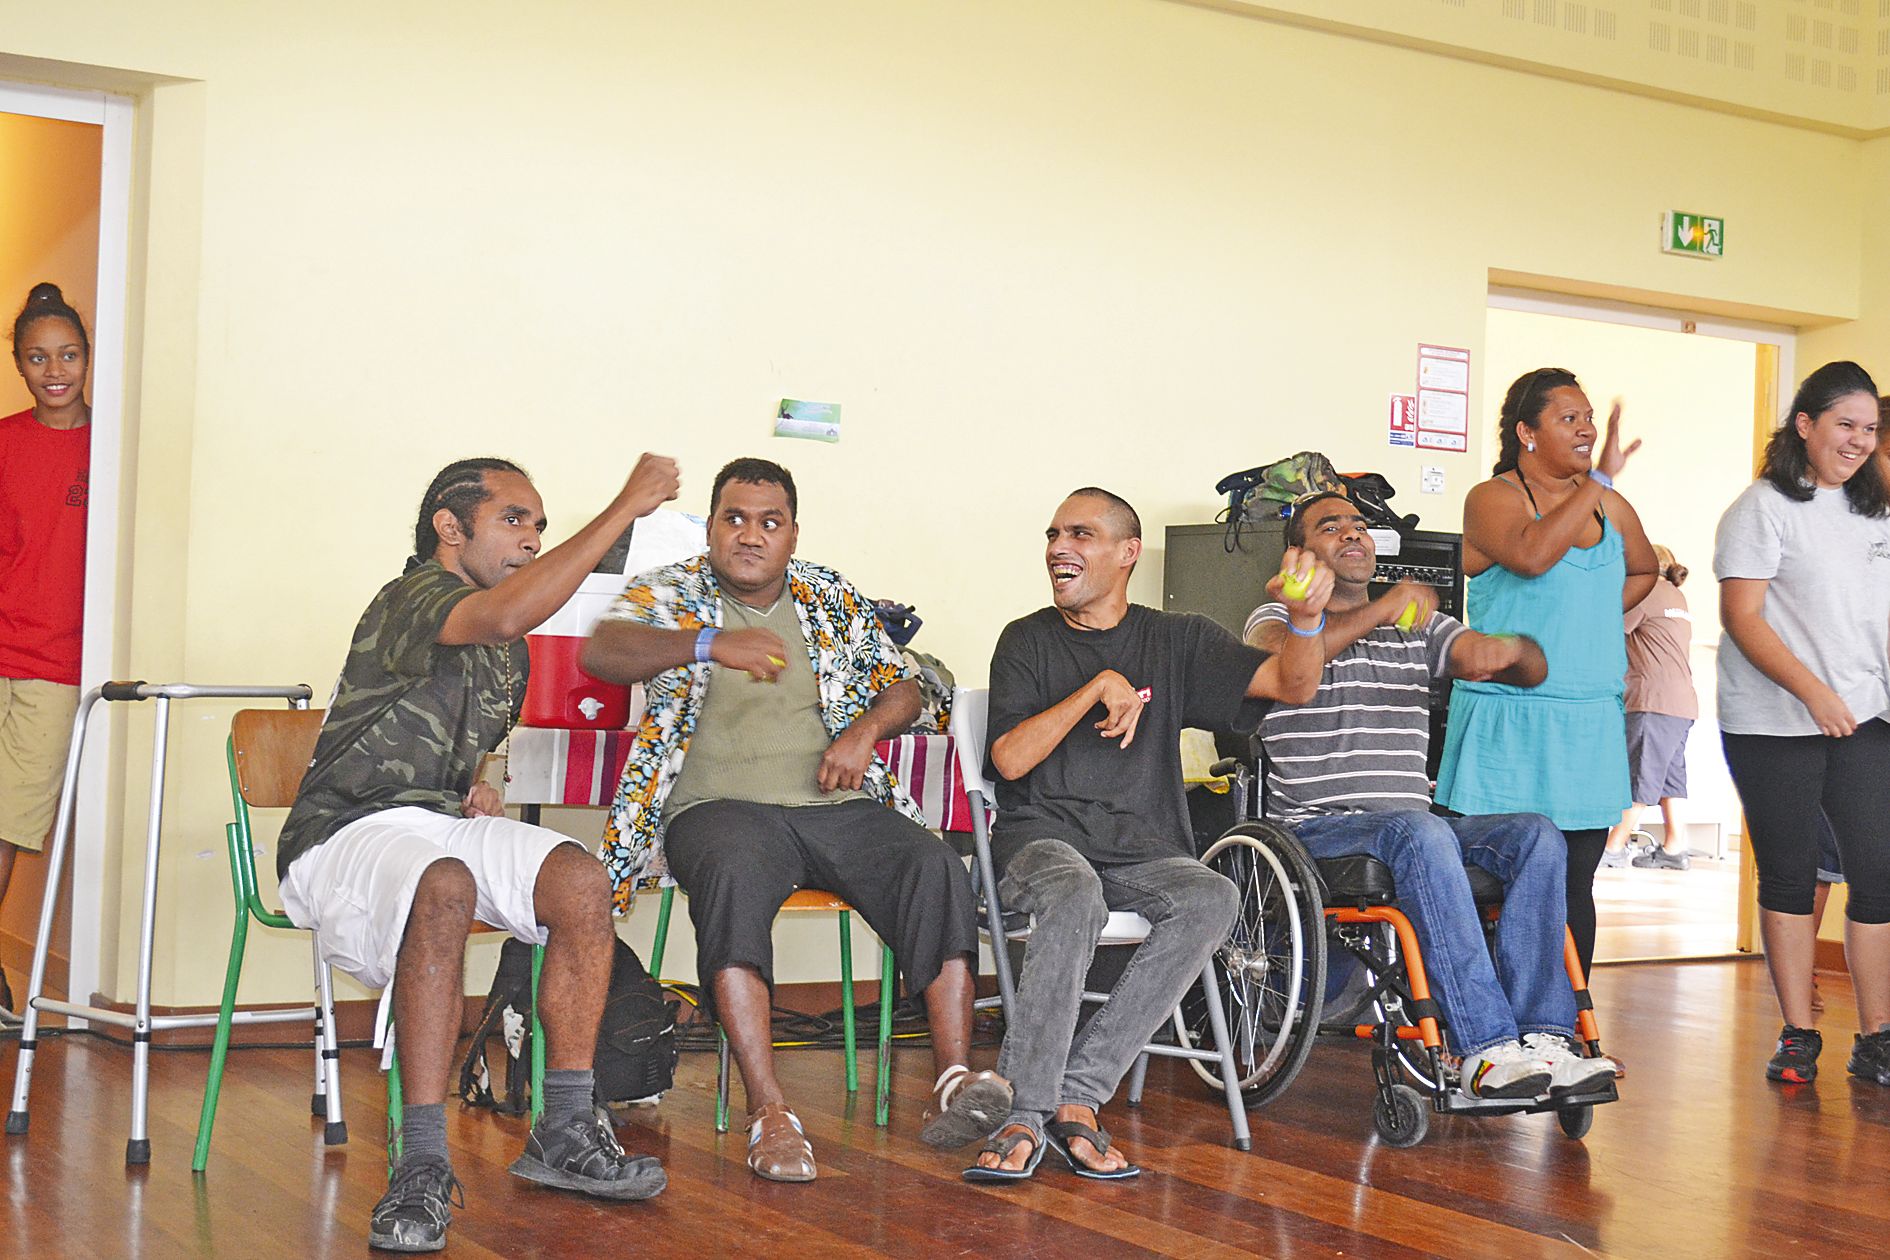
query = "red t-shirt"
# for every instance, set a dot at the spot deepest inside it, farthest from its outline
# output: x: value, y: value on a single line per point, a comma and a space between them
x: 44, y: 476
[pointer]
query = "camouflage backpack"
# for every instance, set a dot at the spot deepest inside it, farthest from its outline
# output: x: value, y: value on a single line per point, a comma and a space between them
x: 1286, y: 481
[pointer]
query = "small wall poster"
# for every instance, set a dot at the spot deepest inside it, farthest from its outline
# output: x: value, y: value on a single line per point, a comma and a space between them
x: 1443, y: 398
x: 817, y: 421
x: 1403, y: 430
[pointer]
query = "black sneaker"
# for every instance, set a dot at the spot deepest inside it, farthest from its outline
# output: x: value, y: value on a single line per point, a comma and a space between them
x: 1797, y: 1058
x: 1870, y: 1056
x: 413, y: 1214
x: 582, y: 1154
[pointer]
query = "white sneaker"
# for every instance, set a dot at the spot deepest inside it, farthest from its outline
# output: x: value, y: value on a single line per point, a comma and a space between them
x: 1572, y: 1072
x: 1506, y: 1070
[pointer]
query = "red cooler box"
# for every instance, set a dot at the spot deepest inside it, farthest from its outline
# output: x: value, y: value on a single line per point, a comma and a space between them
x: 560, y: 693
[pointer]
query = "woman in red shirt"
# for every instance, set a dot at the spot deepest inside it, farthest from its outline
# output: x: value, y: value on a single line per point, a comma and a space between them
x: 45, y: 466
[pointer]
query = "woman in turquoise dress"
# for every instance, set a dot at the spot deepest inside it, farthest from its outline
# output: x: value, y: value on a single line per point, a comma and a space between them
x: 1554, y: 552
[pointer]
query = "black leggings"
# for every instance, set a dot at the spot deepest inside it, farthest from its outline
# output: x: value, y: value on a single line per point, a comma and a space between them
x: 1584, y: 859
x: 1784, y: 781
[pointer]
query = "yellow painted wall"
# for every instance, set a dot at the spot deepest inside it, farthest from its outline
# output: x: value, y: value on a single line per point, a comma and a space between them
x: 48, y: 223
x: 1822, y: 64
x: 1027, y: 247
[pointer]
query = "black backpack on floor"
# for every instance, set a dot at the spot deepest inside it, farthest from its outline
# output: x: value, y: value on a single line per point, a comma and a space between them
x: 636, y: 1042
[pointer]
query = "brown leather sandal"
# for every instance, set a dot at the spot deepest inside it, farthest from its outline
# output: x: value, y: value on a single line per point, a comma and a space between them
x: 778, y: 1149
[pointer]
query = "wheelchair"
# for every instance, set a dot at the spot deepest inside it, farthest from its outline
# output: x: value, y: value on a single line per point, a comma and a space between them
x: 1295, y: 912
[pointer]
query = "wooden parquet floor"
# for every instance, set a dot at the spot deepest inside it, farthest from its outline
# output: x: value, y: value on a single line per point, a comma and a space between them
x: 1700, y: 1158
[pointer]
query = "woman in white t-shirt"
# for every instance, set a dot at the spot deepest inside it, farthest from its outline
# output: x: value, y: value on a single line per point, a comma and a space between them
x: 1803, y: 561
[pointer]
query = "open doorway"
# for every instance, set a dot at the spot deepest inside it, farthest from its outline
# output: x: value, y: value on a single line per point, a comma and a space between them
x: 65, y: 158
x: 1688, y: 389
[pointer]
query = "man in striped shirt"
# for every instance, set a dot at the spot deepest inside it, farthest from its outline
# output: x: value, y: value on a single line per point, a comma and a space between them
x: 1346, y: 771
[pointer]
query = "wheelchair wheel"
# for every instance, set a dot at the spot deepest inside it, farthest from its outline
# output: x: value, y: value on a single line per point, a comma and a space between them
x: 1271, y: 971
x: 1576, y: 1121
x: 1404, y: 1122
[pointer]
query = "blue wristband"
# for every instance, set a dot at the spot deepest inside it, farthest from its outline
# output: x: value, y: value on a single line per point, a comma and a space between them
x: 703, y: 638
x: 1601, y: 479
x: 1308, y: 634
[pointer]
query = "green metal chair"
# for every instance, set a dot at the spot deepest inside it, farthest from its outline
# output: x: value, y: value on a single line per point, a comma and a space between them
x: 268, y: 750
x: 803, y: 900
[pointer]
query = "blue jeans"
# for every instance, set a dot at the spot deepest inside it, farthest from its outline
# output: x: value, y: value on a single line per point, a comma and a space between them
x: 1526, y: 988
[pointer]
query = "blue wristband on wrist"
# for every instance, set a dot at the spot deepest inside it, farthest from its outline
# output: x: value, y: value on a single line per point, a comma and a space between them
x: 1308, y: 634
x: 1601, y: 479
x: 703, y: 639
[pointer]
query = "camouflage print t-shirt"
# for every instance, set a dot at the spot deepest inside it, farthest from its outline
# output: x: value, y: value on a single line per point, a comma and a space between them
x: 411, y: 716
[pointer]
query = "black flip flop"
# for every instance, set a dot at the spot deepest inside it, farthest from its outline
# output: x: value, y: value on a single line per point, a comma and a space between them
x: 1060, y: 1133
x: 1002, y: 1146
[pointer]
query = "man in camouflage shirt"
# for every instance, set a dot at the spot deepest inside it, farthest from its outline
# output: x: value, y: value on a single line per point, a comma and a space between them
x: 392, y: 849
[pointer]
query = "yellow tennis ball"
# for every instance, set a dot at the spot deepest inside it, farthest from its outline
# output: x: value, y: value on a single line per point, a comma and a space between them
x: 1408, y: 618
x: 1296, y: 587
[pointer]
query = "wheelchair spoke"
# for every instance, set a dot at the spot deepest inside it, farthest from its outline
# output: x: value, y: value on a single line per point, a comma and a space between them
x: 1266, y: 966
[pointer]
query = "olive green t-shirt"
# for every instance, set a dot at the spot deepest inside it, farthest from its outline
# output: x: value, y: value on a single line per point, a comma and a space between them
x: 411, y: 716
x: 755, y: 741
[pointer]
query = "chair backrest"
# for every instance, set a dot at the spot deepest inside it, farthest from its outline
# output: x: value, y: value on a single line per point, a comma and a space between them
x: 971, y: 716
x: 270, y: 751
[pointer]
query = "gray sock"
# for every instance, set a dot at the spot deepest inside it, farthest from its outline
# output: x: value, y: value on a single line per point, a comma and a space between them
x: 423, y: 1133
x: 567, y: 1094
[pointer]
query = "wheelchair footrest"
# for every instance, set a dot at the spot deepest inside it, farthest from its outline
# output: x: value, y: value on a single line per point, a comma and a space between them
x: 1455, y: 1102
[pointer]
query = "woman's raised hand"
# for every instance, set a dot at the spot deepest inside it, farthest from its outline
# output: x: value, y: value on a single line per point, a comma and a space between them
x: 1612, y: 458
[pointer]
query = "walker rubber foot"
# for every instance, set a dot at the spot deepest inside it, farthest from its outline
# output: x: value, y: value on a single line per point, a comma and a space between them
x: 138, y: 1151
x: 335, y: 1134
x: 318, y: 1104
x: 16, y: 1123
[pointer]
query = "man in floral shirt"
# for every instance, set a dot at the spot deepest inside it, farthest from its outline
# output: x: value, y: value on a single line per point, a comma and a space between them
x: 768, y: 683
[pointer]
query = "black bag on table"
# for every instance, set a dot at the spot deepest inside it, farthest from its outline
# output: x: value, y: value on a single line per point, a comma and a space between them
x: 636, y: 1041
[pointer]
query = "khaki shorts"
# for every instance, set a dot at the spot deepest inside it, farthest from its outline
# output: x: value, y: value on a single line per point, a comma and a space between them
x: 35, y: 727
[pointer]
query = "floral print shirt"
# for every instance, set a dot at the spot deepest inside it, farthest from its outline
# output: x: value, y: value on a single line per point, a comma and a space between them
x: 853, y: 661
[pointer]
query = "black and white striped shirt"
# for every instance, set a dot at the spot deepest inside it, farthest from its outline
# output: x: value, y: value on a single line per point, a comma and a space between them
x: 1359, y: 745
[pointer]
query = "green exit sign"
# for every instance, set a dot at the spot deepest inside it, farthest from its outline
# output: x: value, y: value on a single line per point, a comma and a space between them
x: 1701, y: 235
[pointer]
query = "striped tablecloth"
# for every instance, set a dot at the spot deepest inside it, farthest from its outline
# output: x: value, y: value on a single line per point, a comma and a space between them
x: 555, y: 767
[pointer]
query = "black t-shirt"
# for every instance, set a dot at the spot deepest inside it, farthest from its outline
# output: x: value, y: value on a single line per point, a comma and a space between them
x: 411, y: 716
x: 1114, y: 805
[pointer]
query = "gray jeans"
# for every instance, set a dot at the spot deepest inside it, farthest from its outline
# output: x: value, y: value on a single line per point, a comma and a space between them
x: 1190, y: 910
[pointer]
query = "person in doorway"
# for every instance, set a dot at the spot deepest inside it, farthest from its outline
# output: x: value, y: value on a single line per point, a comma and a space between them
x: 1661, y: 708
x: 393, y: 847
x: 45, y: 469
x: 770, y: 681
x: 1803, y: 561
x: 1088, y: 701
x: 1554, y: 552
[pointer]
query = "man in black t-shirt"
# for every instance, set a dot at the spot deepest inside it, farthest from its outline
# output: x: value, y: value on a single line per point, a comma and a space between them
x: 392, y: 848
x: 1088, y: 701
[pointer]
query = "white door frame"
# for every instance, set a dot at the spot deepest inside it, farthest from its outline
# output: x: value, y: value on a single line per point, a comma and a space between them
x: 114, y: 114
x: 1536, y: 302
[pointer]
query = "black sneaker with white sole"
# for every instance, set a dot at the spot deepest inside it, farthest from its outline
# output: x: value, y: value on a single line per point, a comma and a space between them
x: 582, y: 1154
x: 418, y: 1206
